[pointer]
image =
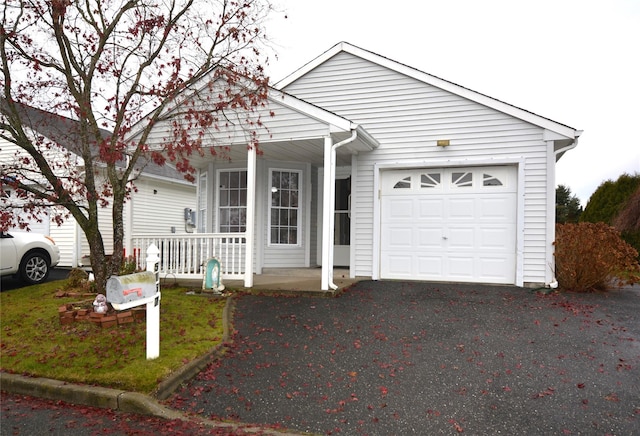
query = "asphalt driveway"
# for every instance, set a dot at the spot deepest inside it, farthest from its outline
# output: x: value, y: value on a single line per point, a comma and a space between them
x: 417, y: 358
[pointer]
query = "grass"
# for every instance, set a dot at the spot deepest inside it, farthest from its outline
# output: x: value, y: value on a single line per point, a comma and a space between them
x: 33, y: 342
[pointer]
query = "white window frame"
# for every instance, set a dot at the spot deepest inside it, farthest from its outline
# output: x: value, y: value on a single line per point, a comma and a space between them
x: 298, y: 225
x: 219, y: 207
x: 202, y: 202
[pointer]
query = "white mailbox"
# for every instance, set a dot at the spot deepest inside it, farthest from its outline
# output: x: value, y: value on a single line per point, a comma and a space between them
x: 131, y: 290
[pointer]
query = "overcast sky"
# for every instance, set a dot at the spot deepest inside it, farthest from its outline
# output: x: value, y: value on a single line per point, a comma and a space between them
x: 574, y: 61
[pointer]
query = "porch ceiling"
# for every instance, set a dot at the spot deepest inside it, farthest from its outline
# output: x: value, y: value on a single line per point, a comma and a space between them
x: 296, y: 150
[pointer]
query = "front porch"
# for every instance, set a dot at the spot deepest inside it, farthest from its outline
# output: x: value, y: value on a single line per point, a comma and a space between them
x: 298, y: 281
x: 183, y: 258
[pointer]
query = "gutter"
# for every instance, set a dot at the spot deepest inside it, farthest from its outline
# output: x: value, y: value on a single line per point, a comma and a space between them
x: 571, y: 146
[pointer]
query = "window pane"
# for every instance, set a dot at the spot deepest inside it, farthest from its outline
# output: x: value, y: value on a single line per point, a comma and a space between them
x: 224, y: 198
x: 284, y: 199
x: 234, y: 217
x: 243, y: 220
x: 430, y: 180
x: 294, y: 199
x: 284, y: 235
x: 224, y: 217
x: 234, y: 179
x: 293, y: 182
x: 403, y: 184
x: 284, y: 180
x: 224, y: 179
x: 460, y: 179
x: 490, y: 180
x: 275, y: 217
x: 275, y: 198
x: 284, y: 217
x: 233, y: 198
x: 274, y: 235
x: 275, y: 179
x: 292, y: 236
x: 293, y: 218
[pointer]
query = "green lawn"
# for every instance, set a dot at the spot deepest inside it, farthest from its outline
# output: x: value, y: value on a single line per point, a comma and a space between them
x: 32, y: 340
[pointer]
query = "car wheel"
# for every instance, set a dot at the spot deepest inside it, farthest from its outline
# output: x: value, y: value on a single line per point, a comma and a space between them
x: 34, y: 267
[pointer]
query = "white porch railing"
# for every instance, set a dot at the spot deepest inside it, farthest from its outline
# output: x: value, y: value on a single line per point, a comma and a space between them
x: 184, y: 256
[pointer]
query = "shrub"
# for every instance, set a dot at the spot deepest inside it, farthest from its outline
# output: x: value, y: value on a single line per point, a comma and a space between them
x: 129, y: 266
x: 592, y: 256
x: 78, y: 280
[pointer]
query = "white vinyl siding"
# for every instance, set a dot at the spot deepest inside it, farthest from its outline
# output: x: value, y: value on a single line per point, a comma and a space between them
x: 159, y: 205
x: 407, y: 116
x: 66, y: 238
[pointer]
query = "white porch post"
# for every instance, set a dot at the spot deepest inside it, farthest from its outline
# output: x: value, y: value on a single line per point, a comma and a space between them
x: 251, y: 212
x: 327, y: 211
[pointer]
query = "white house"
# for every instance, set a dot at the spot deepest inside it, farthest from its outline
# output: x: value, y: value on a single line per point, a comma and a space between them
x: 389, y: 171
x: 158, y: 205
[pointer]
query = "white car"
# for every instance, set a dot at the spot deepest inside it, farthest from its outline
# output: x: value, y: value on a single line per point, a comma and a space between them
x: 28, y: 255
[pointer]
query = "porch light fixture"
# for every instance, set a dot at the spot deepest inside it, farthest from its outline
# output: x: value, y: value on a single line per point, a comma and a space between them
x: 274, y: 189
x: 442, y: 143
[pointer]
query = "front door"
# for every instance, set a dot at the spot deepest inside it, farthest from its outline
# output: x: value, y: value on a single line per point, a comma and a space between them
x: 342, y: 228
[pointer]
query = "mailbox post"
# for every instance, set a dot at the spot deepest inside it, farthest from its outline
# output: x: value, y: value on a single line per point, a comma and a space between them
x: 125, y: 292
x: 153, y: 307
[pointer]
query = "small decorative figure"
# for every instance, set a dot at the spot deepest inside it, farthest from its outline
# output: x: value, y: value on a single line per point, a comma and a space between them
x: 100, y: 304
x: 212, y: 280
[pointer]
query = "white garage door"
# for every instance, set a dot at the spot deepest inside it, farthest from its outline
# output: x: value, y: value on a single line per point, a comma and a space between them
x: 450, y: 224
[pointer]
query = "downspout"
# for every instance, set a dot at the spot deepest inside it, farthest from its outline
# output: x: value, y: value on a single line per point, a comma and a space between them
x: 332, y: 199
x: 554, y: 281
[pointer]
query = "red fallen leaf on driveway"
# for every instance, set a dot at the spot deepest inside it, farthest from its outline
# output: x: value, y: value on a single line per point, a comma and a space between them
x: 383, y: 391
x: 580, y: 385
x: 457, y: 426
x: 548, y: 391
x: 612, y: 397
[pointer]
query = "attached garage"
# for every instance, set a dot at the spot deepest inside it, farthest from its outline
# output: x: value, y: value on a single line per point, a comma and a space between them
x: 449, y: 224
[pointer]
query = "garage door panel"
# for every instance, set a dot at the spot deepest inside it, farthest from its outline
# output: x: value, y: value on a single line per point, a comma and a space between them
x: 461, y: 267
x: 399, y: 238
x: 461, y: 237
x: 461, y: 209
x: 430, y: 208
x: 495, y: 269
x: 453, y: 233
x: 500, y: 238
x: 496, y: 209
x: 399, y: 266
x: 430, y: 266
x: 429, y: 238
x: 399, y: 208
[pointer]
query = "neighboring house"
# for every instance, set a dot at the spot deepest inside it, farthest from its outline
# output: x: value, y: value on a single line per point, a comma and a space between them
x: 157, y: 207
x: 394, y: 173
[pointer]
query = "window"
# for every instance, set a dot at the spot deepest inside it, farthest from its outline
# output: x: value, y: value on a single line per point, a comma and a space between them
x: 403, y: 184
x: 232, y: 204
x: 461, y: 179
x: 489, y: 180
x: 284, y: 214
x: 430, y: 180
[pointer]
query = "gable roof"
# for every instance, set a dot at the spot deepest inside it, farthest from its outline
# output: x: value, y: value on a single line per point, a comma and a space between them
x: 530, y: 117
x: 66, y: 133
